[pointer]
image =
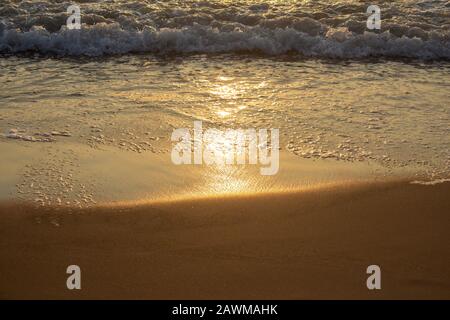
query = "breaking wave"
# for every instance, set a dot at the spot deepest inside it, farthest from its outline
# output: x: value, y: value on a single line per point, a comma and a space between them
x: 104, y: 39
x: 312, y: 29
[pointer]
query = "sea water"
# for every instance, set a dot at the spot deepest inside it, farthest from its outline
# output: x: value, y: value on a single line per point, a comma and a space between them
x: 138, y: 70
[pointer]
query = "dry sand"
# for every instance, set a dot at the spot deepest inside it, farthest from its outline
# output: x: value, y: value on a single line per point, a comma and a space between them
x: 309, y: 244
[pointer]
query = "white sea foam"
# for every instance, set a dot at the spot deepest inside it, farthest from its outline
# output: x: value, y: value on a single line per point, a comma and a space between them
x: 430, y: 183
x: 104, y: 39
x: 313, y: 29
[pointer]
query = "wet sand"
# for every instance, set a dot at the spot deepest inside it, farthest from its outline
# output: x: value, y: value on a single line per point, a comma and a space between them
x: 315, y: 243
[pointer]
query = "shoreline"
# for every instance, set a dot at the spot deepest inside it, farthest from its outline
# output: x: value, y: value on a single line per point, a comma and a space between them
x: 109, y: 175
x: 304, y: 245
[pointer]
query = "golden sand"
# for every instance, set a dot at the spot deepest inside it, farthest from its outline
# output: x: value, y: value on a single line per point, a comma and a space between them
x: 295, y: 245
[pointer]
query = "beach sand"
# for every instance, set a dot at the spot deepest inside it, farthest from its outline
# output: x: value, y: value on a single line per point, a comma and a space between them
x: 93, y: 123
x: 312, y: 243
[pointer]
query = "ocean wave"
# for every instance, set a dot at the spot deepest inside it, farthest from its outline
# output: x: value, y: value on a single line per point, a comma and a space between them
x: 106, y: 39
x: 410, y: 29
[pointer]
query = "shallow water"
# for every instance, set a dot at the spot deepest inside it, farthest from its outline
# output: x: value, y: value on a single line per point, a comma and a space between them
x: 137, y: 70
x: 389, y: 114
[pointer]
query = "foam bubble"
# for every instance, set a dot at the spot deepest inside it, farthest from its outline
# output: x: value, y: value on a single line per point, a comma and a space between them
x: 105, y: 39
x: 312, y: 29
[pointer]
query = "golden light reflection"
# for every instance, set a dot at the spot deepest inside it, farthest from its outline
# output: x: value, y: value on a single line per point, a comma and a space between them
x: 230, y: 92
x: 230, y: 110
x: 223, y: 113
x: 226, y: 179
x: 225, y: 175
x: 225, y: 91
